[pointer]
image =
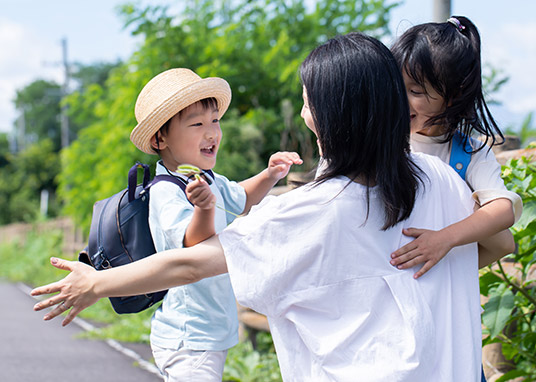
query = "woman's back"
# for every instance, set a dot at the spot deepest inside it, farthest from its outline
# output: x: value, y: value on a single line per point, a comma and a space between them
x: 310, y: 262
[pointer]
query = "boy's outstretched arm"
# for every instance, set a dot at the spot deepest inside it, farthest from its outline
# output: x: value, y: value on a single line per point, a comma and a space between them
x: 84, y: 286
x: 485, y: 226
x: 259, y: 185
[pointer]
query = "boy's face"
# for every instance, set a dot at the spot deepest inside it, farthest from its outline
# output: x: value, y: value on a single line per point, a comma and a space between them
x: 193, y: 138
x: 423, y: 105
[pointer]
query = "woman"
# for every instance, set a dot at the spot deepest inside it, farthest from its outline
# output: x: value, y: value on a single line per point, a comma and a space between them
x: 315, y: 260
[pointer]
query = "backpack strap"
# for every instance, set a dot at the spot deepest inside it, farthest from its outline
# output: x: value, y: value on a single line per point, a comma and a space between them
x: 168, y: 178
x: 460, y: 154
x: 159, y: 178
x: 133, y: 179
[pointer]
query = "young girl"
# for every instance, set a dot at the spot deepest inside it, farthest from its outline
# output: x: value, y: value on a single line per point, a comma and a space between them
x: 315, y: 260
x: 441, y: 67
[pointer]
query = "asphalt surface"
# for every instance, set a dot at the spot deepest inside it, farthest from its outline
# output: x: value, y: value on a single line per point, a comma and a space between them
x: 34, y: 350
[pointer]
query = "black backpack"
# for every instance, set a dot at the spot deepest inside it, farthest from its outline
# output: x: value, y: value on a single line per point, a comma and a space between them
x: 120, y: 234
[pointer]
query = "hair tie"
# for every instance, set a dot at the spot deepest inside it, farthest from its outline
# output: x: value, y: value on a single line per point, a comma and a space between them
x: 454, y: 21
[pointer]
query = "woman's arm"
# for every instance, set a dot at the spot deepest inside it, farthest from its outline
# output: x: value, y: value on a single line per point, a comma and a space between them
x: 84, y: 286
x: 430, y: 247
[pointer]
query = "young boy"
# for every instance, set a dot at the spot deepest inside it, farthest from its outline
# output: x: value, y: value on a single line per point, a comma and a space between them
x: 178, y: 116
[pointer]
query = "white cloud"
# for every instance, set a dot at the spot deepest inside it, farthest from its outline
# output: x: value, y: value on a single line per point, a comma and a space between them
x: 512, y: 48
x: 26, y: 56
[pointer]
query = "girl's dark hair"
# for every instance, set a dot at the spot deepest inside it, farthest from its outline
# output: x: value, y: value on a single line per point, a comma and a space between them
x: 448, y: 58
x: 206, y: 103
x: 358, y: 102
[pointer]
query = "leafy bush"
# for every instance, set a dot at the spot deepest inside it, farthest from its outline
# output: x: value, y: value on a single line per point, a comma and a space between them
x: 244, y: 364
x: 510, y: 313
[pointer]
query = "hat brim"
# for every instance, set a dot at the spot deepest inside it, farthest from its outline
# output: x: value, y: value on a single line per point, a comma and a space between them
x: 211, y: 87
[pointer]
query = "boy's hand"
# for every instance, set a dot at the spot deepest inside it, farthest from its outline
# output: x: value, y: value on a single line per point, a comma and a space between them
x: 199, y: 194
x: 280, y: 163
x: 429, y: 247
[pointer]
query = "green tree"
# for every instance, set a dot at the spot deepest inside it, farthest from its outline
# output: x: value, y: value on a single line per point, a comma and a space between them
x: 27, y: 174
x: 39, y: 106
x: 256, y: 45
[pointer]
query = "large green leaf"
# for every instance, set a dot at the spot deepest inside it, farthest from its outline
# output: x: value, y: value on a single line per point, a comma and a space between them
x: 498, y: 309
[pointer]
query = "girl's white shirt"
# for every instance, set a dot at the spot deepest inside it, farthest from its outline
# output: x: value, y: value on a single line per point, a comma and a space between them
x: 313, y: 263
x: 483, y: 174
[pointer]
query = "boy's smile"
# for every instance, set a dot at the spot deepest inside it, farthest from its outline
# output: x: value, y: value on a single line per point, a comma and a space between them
x: 193, y: 137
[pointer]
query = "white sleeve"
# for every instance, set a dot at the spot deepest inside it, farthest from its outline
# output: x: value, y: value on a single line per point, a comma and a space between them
x: 267, y: 250
x: 248, y: 247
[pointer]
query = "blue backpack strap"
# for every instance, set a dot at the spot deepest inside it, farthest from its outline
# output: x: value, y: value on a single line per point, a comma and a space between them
x: 168, y: 178
x: 460, y: 154
x: 133, y: 179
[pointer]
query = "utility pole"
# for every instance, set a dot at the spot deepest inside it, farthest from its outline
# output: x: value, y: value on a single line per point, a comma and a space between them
x: 442, y: 9
x: 64, y: 92
x: 20, y: 141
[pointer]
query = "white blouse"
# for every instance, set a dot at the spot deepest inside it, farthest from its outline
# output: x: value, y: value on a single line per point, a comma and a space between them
x: 318, y: 268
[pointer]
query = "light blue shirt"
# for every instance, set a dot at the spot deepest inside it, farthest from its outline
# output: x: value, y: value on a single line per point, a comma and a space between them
x: 202, y: 315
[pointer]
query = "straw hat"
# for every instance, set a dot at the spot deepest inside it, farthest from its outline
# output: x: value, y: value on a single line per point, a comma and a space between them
x: 168, y: 93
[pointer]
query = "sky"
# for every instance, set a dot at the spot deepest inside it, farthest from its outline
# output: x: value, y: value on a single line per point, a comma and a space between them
x: 31, y: 32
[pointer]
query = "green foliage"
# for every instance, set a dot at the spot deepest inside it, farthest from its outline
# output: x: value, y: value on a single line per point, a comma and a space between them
x: 256, y: 45
x: 527, y: 131
x: 493, y: 80
x: 39, y: 104
x: 26, y: 175
x: 244, y: 364
x: 510, y: 313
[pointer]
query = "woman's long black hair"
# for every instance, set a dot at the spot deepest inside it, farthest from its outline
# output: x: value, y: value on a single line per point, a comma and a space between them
x: 447, y: 56
x: 358, y: 102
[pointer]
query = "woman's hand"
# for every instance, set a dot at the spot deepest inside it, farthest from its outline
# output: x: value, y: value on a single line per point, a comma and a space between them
x: 429, y: 247
x: 76, y: 291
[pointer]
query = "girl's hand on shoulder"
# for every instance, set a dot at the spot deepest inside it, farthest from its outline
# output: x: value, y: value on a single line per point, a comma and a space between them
x: 199, y: 194
x: 428, y: 248
x: 280, y: 163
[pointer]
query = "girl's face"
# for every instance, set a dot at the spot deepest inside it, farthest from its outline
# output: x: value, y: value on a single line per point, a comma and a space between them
x: 193, y: 138
x: 306, y: 113
x: 424, y: 103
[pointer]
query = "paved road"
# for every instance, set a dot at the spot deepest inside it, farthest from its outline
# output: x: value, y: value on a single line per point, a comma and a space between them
x: 32, y: 350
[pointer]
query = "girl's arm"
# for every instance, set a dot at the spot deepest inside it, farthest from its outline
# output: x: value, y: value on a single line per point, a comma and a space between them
x: 258, y: 186
x: 84, y: 286
x: 495, y: 247
x: 485, y: 226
